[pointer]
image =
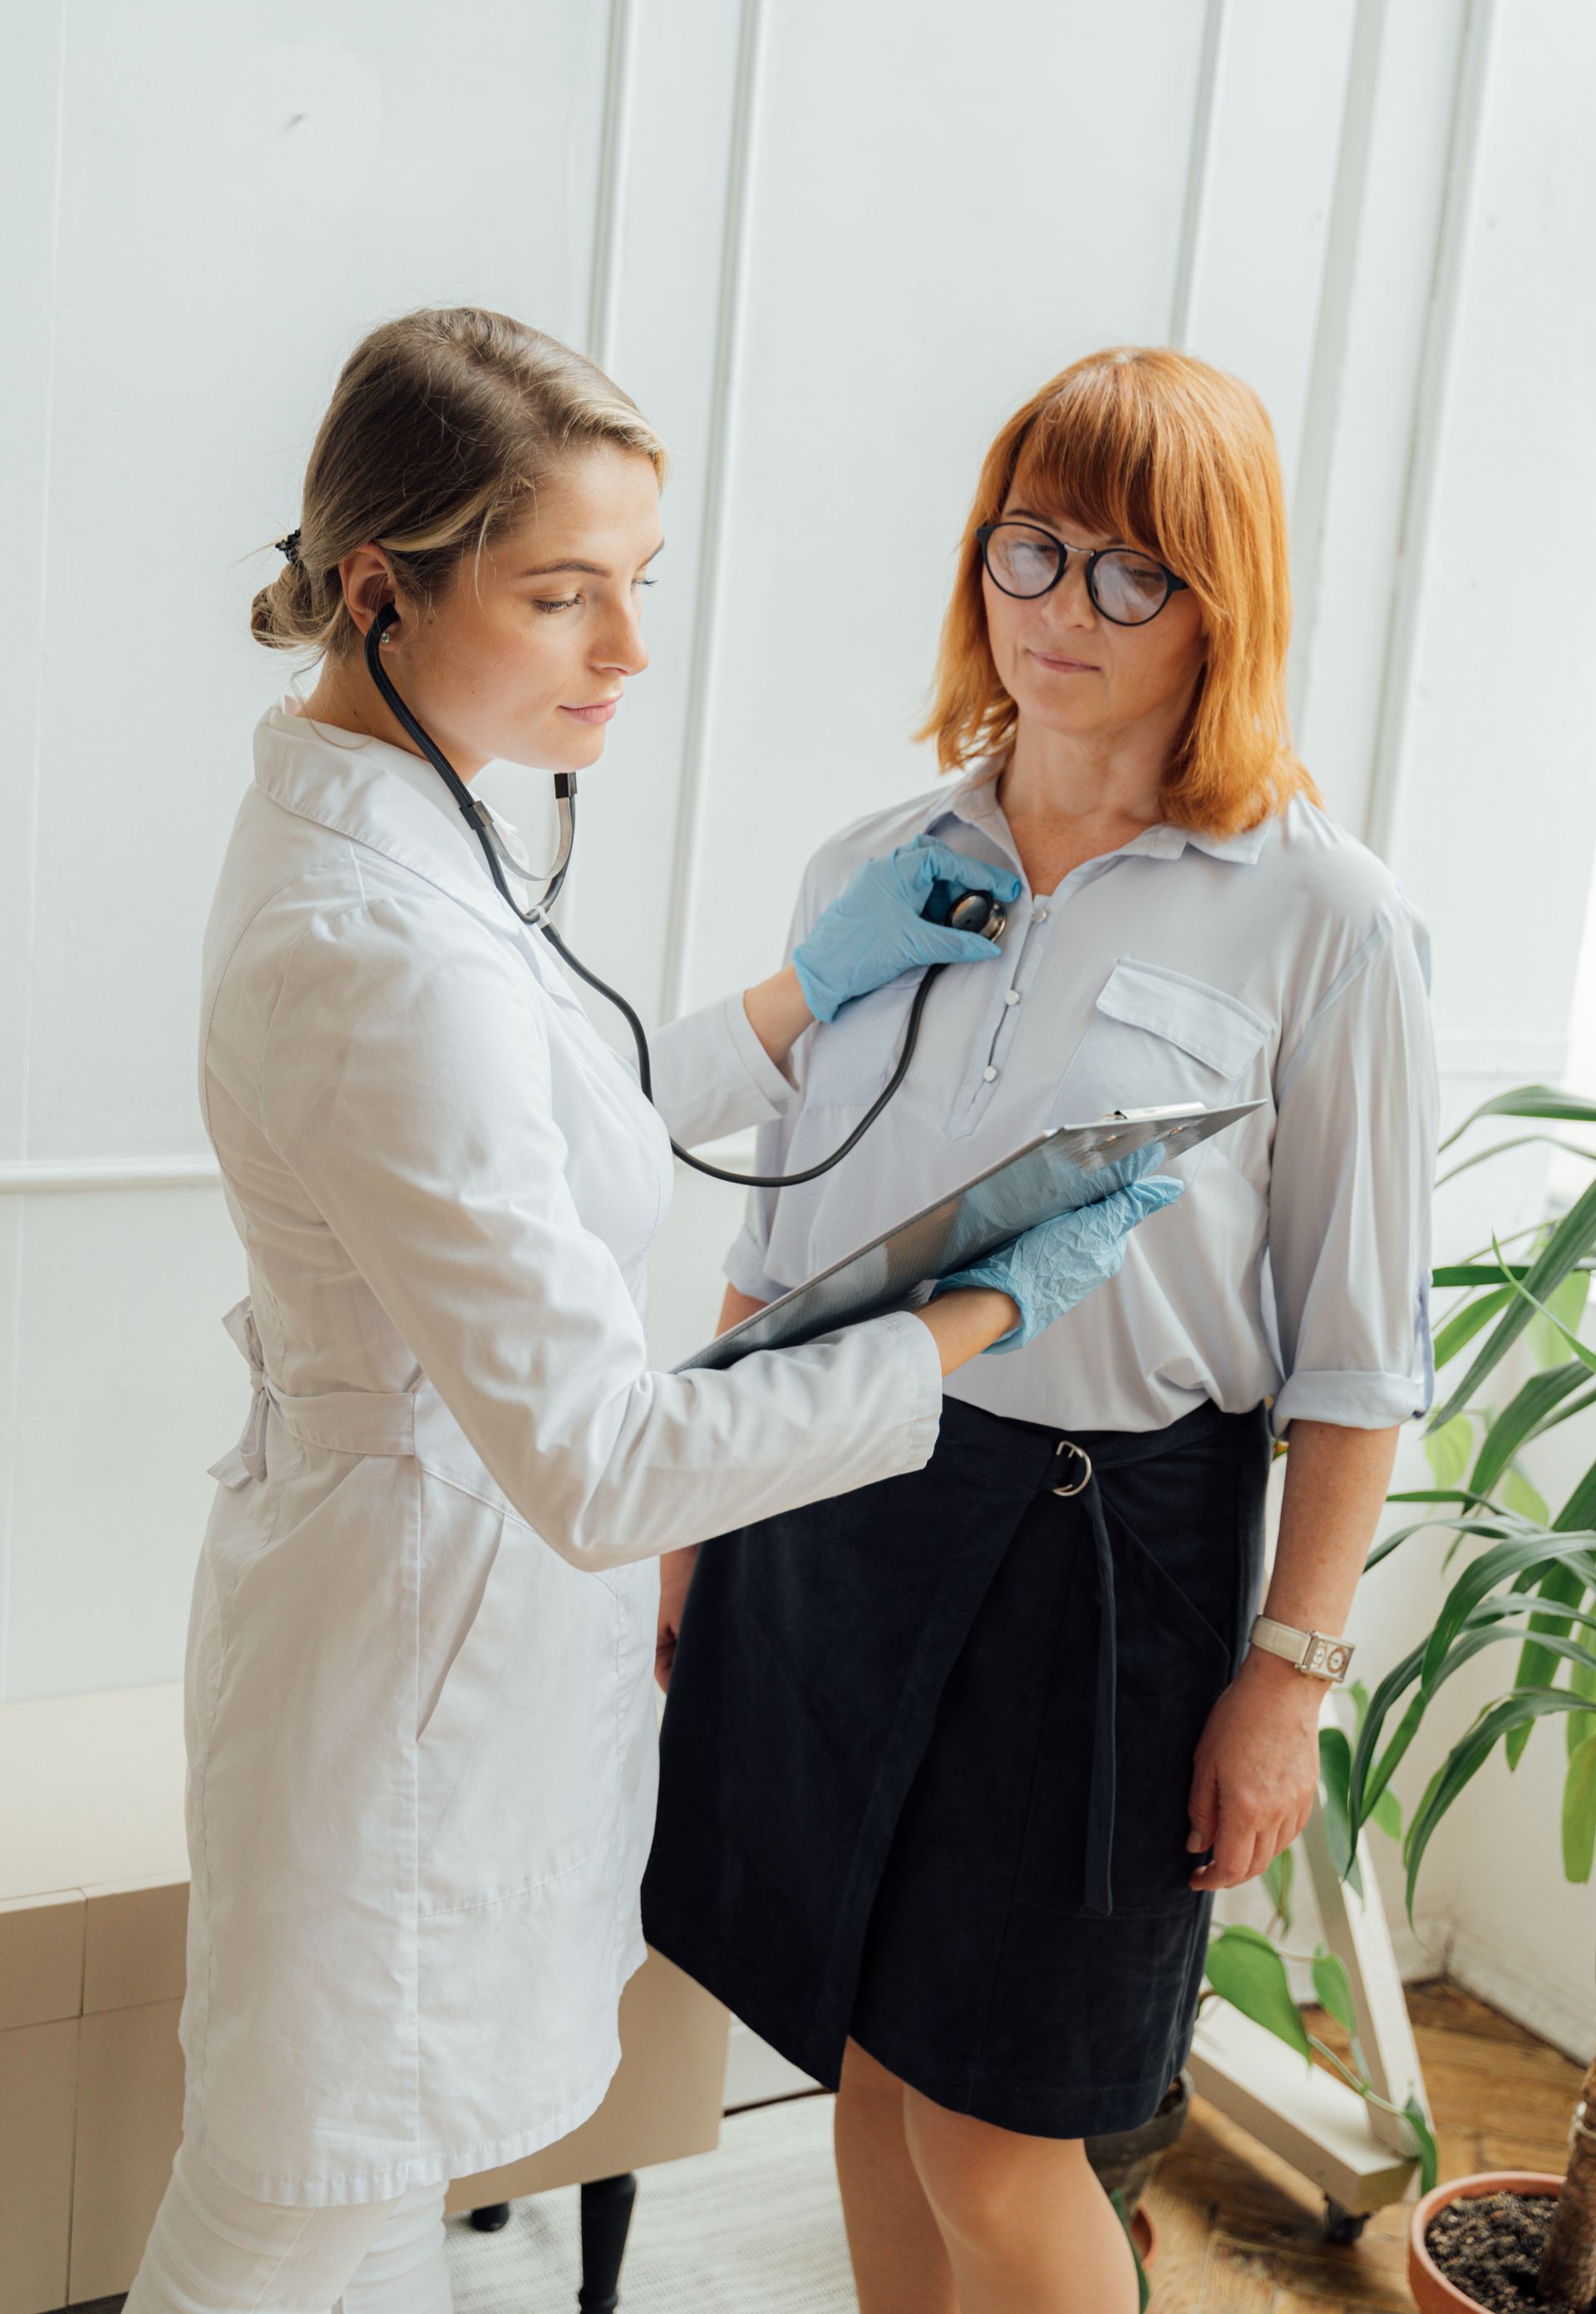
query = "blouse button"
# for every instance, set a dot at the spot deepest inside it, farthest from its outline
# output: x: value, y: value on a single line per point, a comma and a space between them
x: 1011, y: 995
x: 989, y: 1074
x: 1038, y: 915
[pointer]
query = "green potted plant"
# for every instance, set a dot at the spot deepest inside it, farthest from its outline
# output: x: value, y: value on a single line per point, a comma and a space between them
x: 1529, y: 1582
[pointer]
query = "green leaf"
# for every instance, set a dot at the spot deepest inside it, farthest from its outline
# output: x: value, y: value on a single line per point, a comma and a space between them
x: 1387, y: 1814
x: 1571, y: 1407
x: 1335, y: 1766
x: 1429, y: 2158
x: 1520, y: 1419
x: 1520, y: 1493
x: 1565, y: 1306
x: 1501, y: 1148
x: 1277, y: 1879
x: 1460, y: 1329
x: 1561, y: 1585
x: 1581, y: 1350
x: 1449, y: 1450
x: 1582, y: 1725
x: 1334, y: 1988
x: 1569, y: 1243
x: 1579, y: 1812
x: 1464, y: 1762
x: 1497, y: 1565
x: 1245, y: 1969
x: 1528, y: 1101
x: 1580, y: 1509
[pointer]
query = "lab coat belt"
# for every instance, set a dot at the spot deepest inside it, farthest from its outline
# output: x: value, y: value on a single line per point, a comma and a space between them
x: 346, y: 1421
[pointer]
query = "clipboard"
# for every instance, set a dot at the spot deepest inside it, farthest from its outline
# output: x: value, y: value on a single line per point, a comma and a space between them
x: 1060, y: 1169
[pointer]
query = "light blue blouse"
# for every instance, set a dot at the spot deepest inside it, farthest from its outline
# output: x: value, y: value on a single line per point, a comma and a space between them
x: 1284, y: 964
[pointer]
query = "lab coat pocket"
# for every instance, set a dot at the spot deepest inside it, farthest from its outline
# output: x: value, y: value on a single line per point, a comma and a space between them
x: 1157, y: 1036
x: 850, y: 1058
x: 518, y: 1761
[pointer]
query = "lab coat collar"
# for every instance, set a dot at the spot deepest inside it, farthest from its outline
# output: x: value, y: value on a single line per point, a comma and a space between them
x: 974, y: 800
x: 378, y: 795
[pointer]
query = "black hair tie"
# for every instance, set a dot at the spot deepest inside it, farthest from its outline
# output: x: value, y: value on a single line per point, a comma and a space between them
x: 289, y: 545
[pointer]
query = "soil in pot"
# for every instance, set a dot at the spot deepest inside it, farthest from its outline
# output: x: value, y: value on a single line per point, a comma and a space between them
x: 1489, y: 2246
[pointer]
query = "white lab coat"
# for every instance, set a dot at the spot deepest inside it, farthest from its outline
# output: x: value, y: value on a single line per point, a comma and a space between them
x: 419, y: 1709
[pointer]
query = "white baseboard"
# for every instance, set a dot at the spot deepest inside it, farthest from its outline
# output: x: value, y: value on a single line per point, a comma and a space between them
x: 1565, y: 2018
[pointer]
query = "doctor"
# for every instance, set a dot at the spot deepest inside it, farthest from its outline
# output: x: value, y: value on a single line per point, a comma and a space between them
x: 419, y: 1716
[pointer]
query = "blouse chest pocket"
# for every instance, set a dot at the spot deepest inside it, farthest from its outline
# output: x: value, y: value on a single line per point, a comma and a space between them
x: 1157, y: 1036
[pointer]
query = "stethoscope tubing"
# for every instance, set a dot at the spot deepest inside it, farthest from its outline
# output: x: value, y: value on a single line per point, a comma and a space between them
x: 536, y: 918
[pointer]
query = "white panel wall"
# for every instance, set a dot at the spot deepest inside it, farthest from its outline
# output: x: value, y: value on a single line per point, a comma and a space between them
x: 828, y: 249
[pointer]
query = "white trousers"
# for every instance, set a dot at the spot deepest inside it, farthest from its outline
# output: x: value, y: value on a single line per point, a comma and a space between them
x: 216, y: 2250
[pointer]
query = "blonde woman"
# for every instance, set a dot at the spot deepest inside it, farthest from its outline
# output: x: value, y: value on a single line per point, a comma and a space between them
x: 942, y: 1817
x: 422, y: 1743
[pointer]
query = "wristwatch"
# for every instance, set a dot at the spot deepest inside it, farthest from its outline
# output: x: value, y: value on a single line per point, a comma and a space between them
x: 1319, y: 1653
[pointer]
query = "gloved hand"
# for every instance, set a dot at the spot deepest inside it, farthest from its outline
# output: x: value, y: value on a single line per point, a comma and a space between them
x: 874, y: 931
x: 1049, y: 1268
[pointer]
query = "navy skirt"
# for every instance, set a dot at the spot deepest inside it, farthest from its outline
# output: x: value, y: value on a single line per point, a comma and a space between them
x: 926, y: 1759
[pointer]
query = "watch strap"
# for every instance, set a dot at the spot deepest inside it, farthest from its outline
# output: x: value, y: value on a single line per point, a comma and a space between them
x: 1318, y: 1655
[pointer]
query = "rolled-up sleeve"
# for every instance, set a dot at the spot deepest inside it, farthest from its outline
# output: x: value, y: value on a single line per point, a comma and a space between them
x: 1350, y: 1193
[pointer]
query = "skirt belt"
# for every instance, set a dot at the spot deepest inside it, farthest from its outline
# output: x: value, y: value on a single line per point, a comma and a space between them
x: 1109, y: 1451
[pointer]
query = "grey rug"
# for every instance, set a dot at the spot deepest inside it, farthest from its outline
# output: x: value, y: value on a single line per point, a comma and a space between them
x: 752, y: 2229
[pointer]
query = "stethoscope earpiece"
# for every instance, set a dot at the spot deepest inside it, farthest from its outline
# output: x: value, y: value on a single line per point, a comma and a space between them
x: 387, y: 617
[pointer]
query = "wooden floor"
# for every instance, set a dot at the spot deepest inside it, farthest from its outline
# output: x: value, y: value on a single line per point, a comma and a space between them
x: 1240, y: 2232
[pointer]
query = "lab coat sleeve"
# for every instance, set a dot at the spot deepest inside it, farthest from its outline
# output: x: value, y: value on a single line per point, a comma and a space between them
x: 406, y: 1080
x: 1350, y: 1191
x: 712, y: 1075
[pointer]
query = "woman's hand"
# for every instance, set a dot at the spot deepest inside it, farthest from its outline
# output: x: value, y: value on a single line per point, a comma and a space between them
x: 675, y: 1573
x: 875, y: 930
x: 1256, y: 1772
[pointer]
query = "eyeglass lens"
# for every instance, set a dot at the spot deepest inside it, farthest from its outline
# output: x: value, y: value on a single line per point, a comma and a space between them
x: 1125, y: 586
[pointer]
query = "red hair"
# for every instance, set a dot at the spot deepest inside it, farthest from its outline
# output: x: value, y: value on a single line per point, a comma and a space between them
x: 1178, y: 459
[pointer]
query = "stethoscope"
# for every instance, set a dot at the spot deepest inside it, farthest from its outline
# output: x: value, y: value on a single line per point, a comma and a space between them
x: 964, y: 911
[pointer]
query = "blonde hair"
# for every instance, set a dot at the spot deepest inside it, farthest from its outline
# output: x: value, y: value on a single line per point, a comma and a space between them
x: 441, y: 426
x: 1179, y: 459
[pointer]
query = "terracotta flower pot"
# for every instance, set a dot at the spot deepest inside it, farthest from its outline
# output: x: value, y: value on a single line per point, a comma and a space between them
x: 1143, y: 2233
x: 1432, y: 2293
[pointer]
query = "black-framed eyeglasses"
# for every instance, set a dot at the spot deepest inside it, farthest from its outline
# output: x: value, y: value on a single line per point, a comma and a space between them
x: 1128, y: 587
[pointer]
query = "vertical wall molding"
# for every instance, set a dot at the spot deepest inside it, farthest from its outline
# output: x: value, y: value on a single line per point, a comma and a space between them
x: 609, y: 207
x: 27, y: 638
x: 1194, y: 213
x: 1322, y: 415
x: 730, y: 317
x: 1430, y: 404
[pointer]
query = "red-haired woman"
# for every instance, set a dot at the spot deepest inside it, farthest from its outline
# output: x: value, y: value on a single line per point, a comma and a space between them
x: 943, y: 1818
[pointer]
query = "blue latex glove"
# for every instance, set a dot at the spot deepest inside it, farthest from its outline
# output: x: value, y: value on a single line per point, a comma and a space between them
x: 1049, y: 1268
x: 874, y: 931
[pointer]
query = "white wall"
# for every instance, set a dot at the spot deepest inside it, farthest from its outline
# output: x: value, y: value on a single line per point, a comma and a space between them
x: 827, y: 247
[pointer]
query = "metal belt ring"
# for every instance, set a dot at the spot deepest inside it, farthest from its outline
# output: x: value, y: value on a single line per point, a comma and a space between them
x: 1068, y: 1446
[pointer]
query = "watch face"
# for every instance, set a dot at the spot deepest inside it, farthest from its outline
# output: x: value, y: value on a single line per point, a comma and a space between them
x: 1328, y: 1655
